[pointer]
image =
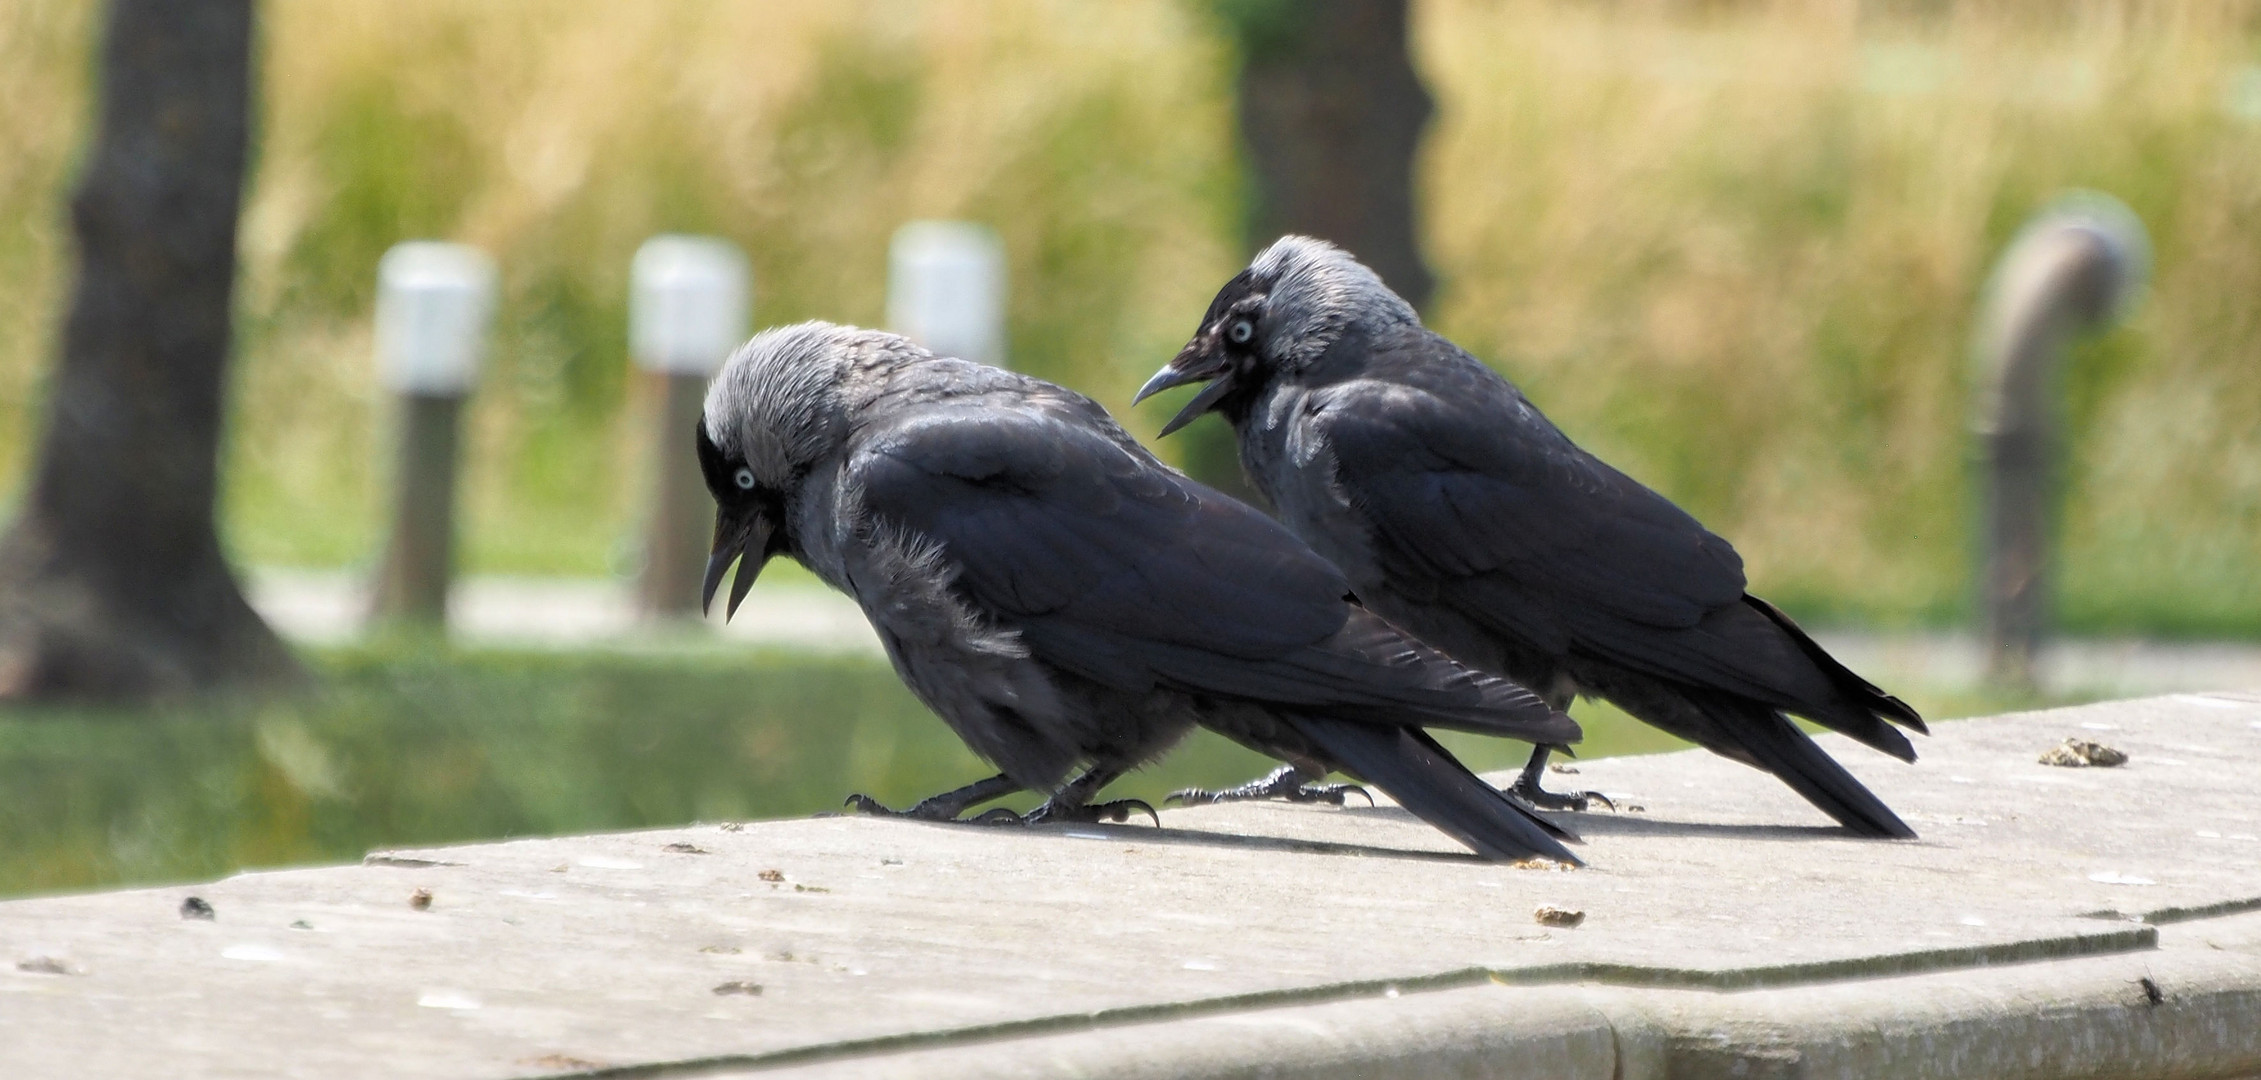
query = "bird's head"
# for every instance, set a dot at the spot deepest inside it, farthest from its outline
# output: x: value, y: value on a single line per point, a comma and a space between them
x: 773, y: 413
x: 1274, y: 320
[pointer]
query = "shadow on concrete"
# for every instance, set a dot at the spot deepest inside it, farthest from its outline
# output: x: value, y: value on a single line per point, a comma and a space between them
x: 1173, y: 834
x: 1602, y: 823
x: 1582, y: 825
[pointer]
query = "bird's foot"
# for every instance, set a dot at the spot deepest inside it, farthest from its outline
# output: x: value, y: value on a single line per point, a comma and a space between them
x: 934, y: 809
x: 1283, y: 783
x: 944, y: 807
x: 1528, y: 790
x: 1118, y: 810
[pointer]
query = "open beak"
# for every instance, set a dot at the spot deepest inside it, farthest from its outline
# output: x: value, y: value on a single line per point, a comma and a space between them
x: 1199, y: 361
x: 742, y: 538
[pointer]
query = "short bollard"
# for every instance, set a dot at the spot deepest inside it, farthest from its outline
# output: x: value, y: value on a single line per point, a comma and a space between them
x: 946, y: 289
x: 434, y: 302
x: 687, y: 310
x: 2073, y: 269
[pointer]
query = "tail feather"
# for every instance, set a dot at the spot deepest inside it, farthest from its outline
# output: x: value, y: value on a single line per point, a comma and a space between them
x: 1428, y: 781
x: 1863, y: 711
x: 1776, y: 745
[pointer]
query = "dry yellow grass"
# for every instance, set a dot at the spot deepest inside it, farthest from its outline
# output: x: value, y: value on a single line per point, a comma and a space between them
x: 1738, y: 252
x: 1732, y: 246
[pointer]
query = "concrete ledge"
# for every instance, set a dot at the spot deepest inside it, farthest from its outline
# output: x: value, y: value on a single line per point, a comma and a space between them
x: 2090, y: 1019
x: 1729, y: 931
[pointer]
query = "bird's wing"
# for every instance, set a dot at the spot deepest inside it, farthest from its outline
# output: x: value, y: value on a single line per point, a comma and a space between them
x: 1472, y: 497
x: 1115, y: 568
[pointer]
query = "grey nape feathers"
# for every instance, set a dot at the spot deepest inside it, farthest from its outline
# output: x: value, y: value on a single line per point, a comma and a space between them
x: 1460, y: 513
x: 1062, y: 599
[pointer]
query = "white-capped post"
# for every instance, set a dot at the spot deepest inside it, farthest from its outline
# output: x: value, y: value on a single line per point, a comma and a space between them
x: 946, y: 289
x: 434, y: 304
x: 688, y: 303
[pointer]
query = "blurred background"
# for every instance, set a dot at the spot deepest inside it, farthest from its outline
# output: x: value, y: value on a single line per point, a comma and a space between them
x: 1736, y: 248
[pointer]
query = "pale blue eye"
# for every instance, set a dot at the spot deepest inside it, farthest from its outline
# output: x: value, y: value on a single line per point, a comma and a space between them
x: 745, y: 479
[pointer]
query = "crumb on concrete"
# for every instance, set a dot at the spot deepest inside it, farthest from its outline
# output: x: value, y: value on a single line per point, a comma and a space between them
x: 421, y: 899
x: 751, y: 989
x: 1549, y: 915
x: 195, y: 907
x: 2082, y: 753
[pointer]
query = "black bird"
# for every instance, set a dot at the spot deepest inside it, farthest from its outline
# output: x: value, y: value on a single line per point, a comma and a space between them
x: 1462, y: 515
x: 1060, y: 597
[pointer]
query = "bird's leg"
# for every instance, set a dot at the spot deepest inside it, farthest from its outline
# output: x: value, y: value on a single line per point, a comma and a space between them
x: 1295, y: 783
x: 1527, y: 786
x: 946, y: 806
x: 1071, y: 803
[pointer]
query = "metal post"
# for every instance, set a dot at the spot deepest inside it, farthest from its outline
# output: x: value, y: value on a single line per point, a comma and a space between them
x: 946, y: 289
x: 687, y: 311
x: 2073, y: 269
x: 434, y: 302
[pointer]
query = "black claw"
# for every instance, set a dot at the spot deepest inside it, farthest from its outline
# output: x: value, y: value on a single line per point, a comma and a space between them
x: 1121, y: 809
x: 929, y: 810
x: 1570, y: 800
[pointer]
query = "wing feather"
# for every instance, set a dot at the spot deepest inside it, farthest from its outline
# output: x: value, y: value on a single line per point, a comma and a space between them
x: 1115, y: 568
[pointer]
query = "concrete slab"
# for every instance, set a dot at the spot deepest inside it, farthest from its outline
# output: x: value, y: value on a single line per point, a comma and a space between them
x: 1728, y: 930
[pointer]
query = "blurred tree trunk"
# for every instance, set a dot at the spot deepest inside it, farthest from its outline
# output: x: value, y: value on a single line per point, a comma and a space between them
x: 112, y: 584
x: 1331, y: 112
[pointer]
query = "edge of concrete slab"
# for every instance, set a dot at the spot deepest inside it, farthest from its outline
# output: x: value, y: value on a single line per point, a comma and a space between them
x: 1586, y: 975
x: 2148, y: 1015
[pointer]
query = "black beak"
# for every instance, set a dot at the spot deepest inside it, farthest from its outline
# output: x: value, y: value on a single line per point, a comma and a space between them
x: 743, y: 537
x: 1200, y: 361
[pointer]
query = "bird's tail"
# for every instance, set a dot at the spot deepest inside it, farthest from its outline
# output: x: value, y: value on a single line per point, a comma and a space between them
x: 1426, y: 779
x: 1778, y: 746
x: 1859, y: 707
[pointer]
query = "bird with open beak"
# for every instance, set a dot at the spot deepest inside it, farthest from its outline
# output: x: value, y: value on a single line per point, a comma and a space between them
x: 1460, y: 513
x: 1063, y: 600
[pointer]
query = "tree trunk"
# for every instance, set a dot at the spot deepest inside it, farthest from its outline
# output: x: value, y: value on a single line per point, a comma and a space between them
x: 1331, y: 113
x: 112, y: 584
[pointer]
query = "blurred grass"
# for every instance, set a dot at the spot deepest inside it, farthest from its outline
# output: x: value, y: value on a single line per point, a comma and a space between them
x: 405, y: 746
x: 1732, y: 246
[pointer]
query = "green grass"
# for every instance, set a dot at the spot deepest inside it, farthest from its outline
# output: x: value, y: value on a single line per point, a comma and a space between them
x: 409, y: 746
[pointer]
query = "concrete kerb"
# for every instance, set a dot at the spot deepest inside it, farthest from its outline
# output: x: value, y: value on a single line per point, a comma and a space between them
x: 2051, y: 922
x: 2035, y: 1019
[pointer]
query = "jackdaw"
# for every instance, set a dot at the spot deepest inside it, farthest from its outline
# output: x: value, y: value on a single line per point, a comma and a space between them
x: 1059, y: 597
x: 1462, y: 515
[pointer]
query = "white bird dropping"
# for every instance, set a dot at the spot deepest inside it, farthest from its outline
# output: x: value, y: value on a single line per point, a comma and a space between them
x: 946, y: 289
